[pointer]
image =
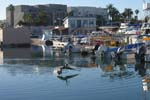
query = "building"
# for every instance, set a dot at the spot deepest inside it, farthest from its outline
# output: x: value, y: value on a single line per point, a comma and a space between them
x: 55, y: 12
x: 88, y: 11
x: 17, y: 37
x: 80, y: 25
x: 83, y: 19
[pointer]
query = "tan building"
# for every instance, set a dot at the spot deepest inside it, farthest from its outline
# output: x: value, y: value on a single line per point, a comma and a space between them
x: 55, y: 12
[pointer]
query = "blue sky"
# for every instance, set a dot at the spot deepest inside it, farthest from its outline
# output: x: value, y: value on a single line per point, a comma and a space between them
x: 119, y: 4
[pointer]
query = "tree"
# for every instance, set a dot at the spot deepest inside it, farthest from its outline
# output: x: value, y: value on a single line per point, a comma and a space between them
x: 11, y: 9
x: 21, y: 23
x: 128, y: 14
x: 113, y: 12
x: 2, y: 25
x: 109, y: 8
x: 100, y: 20
x: 147, y: 18
x: 36, y: 20
x: 137, y: 12
x: 43, y: 18
x: 70, y: 13
x: 28, y: 19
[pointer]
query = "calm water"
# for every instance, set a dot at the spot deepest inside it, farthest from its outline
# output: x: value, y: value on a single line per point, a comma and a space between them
x: 27, y: 74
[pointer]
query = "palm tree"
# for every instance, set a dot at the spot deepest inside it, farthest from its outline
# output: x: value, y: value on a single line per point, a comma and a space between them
x: 147, y: 18
x: 136, y: 12
x: 113, y: 12
x: 100, y: 20
x: 70, y: 13
x: 11, y: 9
x: 128, y: 14
x: 109, y: 8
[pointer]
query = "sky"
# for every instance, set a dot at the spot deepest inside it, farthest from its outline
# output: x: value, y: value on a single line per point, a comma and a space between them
x: 119, y: 4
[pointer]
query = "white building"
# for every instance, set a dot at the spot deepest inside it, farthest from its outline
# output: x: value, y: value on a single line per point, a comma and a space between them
x: 80, y: 25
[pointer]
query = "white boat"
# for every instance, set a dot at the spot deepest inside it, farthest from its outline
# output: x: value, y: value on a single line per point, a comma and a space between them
x: 133, y: 31
x: 71, y: 48
x: 103, y: 51
x: 145, y: 28
x: 123, y: 27
x: 44, y: 40
x: 59, y: 44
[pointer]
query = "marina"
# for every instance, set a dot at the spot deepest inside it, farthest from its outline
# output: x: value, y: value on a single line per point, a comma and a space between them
x: 60, y: 51
x: 97, y: 65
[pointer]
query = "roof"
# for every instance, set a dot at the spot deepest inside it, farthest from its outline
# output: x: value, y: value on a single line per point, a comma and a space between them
x: 78, y: 17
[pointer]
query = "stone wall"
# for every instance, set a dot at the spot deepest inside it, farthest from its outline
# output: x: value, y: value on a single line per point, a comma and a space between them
x: 15, y: 36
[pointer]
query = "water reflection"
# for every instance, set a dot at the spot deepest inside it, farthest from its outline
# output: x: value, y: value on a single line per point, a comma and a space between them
x: 41, y: 51
x: 36, y: 55
x: 82, y: 61
x: 1, y: 57
x: 13, y: 53
x: 115, y: 70
x: 141, y: 68
x: 17, y: 69
x: 45, y: 56
x: 66, y: 78
x: 29, y: 72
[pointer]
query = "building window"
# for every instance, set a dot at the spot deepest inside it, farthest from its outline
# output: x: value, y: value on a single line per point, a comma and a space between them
x: 72, y: 23
x: 91, y: 15
x: 79, y: 13
x: 59, y: 9
x: 91, y: 23
x: 85, y: 23
x: 78, y: 23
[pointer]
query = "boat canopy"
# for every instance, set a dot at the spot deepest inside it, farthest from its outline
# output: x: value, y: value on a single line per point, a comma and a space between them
x: 135, y: 25
x: 81, y: 36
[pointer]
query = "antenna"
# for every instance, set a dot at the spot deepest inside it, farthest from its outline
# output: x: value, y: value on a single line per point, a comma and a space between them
x: 144, y: 5
x: 146, y: 8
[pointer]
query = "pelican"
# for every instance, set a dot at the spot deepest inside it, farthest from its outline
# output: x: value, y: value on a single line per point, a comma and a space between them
x: 58, y: 70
